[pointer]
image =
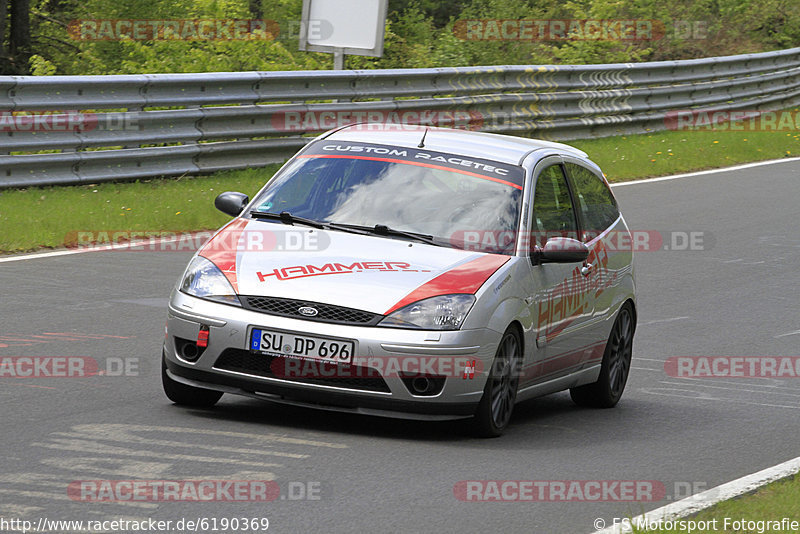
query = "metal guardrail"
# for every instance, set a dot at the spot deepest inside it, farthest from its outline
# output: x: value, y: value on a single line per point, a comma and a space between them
x: 139, y: 126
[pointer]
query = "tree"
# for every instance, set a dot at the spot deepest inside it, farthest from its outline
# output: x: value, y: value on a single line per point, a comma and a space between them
x: 255, y: 9
x: 14, y: 57
x: 4, y: 57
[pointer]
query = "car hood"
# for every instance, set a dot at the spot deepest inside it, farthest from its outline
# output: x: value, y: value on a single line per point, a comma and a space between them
x: 364, y: 272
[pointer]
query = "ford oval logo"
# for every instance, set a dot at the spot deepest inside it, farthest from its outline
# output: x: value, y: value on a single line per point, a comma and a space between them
x: 308, y: 311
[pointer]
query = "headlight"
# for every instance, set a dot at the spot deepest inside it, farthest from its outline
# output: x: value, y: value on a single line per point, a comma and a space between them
x: 446, y: 312
x: 203, y: 279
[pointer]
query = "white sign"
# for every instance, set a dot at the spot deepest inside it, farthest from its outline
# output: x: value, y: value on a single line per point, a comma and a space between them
x: 353, y: 27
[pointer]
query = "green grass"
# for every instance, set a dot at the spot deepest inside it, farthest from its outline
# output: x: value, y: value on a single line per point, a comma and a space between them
x: 37, y: 218
x: 641, y: 156
x: 47, y: 217
x: 773, y: 502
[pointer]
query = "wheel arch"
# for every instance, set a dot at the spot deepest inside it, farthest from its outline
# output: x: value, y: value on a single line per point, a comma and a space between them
x: 517, y: 326
x: 630, y: 301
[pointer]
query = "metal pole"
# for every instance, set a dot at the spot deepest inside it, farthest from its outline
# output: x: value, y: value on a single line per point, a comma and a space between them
x: 338, y: 59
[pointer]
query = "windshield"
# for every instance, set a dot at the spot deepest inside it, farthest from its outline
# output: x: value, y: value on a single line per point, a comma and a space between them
x: 452, y: 198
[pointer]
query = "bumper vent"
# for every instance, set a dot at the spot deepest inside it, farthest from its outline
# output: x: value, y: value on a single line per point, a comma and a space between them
x: 303, y: 371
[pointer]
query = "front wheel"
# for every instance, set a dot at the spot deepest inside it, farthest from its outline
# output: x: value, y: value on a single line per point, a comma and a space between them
x: 186, y: 395
x: 616, y: 365
x: 500, y: 393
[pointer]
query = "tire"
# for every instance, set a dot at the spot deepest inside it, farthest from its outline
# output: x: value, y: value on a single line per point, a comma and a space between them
x: 187, y: 395
x: 615, y: 368
x: 495, y: 408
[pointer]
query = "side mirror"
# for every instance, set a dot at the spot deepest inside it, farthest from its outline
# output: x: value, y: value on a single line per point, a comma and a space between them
x: 231, y: 203
x: 560, y: 250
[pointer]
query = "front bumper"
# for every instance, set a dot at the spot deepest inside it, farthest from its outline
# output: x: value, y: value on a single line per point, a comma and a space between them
x: 388, y: 353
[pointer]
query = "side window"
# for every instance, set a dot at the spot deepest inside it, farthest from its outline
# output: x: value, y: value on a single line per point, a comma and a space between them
x: 594, y: 200
x: 553, y: 215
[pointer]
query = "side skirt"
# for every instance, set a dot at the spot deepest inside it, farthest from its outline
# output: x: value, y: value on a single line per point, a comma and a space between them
x: 579, y: 378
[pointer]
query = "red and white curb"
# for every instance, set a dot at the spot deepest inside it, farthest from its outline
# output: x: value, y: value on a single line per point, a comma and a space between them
x: 695, y: 503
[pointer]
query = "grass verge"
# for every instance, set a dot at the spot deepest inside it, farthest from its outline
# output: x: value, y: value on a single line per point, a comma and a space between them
x: 633, y: 157
x: 760, y: 512
x: 43, y: 217
x: 46, y: 217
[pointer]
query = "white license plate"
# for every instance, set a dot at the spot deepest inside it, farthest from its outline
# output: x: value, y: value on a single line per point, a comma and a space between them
x: 275, y: 343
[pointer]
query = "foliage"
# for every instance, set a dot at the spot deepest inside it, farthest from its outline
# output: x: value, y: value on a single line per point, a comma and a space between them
x: 419, y: 33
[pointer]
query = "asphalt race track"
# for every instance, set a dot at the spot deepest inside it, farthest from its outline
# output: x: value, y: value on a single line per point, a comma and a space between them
x: 735, y: 297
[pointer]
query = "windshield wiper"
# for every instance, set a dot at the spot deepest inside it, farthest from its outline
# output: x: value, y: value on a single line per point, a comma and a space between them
x: 379, y: 229
x: 383, y: 230
x: 287, y: 218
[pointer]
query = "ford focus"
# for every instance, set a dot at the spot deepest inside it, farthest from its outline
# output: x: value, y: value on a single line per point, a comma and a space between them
x: 411, y: 272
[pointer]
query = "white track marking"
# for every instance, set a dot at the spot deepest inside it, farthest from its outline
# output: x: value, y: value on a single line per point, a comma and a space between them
x: 64, y: 497
x: 788, y: 334
x: 704, y: 173
x: 700, y: 395
x: 669, y: 320
x: 140, y: 434
x: 738, y: 389
x: 76, y: 445
x: 739, y: 382
x: 100, y: 248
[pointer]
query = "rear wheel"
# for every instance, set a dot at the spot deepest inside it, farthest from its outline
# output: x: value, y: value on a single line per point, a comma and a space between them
x: 500, y: 393
x: 186, y: 395
x: 616, y: 365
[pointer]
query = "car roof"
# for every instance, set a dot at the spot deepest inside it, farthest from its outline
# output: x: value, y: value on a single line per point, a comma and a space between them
x: 497, y: 147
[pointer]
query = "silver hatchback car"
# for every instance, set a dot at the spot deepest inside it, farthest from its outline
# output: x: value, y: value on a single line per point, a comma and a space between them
x: 414, y: 272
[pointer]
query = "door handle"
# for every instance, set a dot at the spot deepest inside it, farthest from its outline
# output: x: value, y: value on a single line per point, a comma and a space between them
x: 586, y: 269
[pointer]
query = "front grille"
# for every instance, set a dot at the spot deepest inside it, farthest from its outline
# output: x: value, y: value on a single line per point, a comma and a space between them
x: 303, y: 371
x: 327, y: 313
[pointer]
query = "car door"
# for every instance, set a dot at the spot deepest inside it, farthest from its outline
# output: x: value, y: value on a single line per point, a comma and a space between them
x: 559, y: 295
x: 602, y: 230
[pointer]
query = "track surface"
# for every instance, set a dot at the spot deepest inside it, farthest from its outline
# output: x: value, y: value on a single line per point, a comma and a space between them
x: 738, y: 297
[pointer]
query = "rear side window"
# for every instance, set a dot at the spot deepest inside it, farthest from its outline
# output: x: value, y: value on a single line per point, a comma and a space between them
x: 594, y: 200
x: 553, y: 215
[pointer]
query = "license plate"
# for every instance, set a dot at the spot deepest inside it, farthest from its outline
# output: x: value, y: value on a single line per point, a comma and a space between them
x: 274, y: 343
